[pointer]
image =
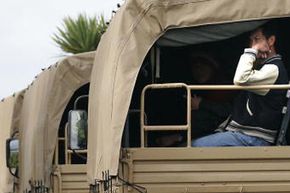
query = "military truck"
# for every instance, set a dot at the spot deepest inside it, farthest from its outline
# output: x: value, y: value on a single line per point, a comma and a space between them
x: 139, y: 77
x: 45, y: 163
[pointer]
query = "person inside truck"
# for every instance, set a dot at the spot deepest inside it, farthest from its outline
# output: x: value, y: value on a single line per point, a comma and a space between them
x: 256, y: 116
x: 209, y: 108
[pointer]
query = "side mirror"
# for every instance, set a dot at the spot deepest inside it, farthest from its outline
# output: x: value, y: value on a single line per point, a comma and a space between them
x: 77, y: 129
x: 12, y: 155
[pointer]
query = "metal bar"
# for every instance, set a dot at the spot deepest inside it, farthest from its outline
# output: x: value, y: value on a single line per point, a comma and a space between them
x: 69, y: 158
x: 165, y: 86
x: 77, y: 151
x: 165, y: 127
x: 142, y: 108
x: 66, y: 144
x: 235, y: 87
x: 142, y: 113
x: 188, y: 117
x: 217, y: 87
x: 189, y: 88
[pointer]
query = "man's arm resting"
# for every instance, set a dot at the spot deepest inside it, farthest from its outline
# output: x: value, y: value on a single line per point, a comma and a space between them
x: 246, y: 75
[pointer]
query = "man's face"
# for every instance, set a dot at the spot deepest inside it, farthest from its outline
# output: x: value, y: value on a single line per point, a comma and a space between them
x: 259, y: 42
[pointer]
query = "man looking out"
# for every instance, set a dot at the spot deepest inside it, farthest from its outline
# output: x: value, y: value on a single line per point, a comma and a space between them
x: 256, y: 116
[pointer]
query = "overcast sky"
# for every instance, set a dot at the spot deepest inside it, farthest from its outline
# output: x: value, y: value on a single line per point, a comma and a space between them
x: 26, y: 29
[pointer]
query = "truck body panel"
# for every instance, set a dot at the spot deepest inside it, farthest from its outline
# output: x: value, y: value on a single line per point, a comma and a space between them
x: 236, y: 169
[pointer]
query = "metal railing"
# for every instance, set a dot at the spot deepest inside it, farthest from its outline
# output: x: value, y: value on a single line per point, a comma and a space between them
x: 67, y: 152
x: 187, y: 127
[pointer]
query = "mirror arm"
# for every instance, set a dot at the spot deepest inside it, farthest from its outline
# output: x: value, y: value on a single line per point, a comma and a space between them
x: 14, y: 134
x: 14, y: 174
x: 79, y: 98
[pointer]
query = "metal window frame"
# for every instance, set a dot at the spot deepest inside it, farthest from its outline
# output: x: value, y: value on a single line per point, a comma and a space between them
x: 144, y: 127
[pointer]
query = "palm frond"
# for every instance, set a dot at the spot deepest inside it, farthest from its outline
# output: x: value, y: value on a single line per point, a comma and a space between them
x: 80, y: 35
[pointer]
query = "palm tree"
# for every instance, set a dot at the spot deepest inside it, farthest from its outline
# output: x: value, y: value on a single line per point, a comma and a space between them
x: 80, y: 35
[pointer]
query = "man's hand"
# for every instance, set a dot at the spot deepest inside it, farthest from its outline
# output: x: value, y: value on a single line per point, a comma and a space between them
x: 259, y: 42
x: 195, y: 101
x: 262, y: 48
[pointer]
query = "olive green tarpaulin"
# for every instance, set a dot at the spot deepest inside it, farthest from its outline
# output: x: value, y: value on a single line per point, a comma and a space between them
x: 131, y: 34
x: 44, y: 103
x: 9, y: 120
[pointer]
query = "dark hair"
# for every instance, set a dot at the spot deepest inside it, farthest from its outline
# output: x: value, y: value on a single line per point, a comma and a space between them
x: 271, y: 28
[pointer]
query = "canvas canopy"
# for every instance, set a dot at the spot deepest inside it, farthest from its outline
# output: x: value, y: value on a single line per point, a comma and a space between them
x: 204, y: 34
x: 9, y: 120
x: 44, y: 103
x: 131, y: 34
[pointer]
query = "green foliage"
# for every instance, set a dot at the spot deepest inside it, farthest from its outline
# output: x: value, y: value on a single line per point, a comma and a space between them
x: 13, y: 160
x: 80, y: 35
x: 82, y: 126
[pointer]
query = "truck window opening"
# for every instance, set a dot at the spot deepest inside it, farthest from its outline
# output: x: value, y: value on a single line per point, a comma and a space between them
x: 64, y: 155
x: 168, y: 107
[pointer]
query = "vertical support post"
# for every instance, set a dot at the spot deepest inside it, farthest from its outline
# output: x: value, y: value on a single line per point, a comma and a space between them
x: 188, y: 117
x: 142, y: 118
x: 67, y: 160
